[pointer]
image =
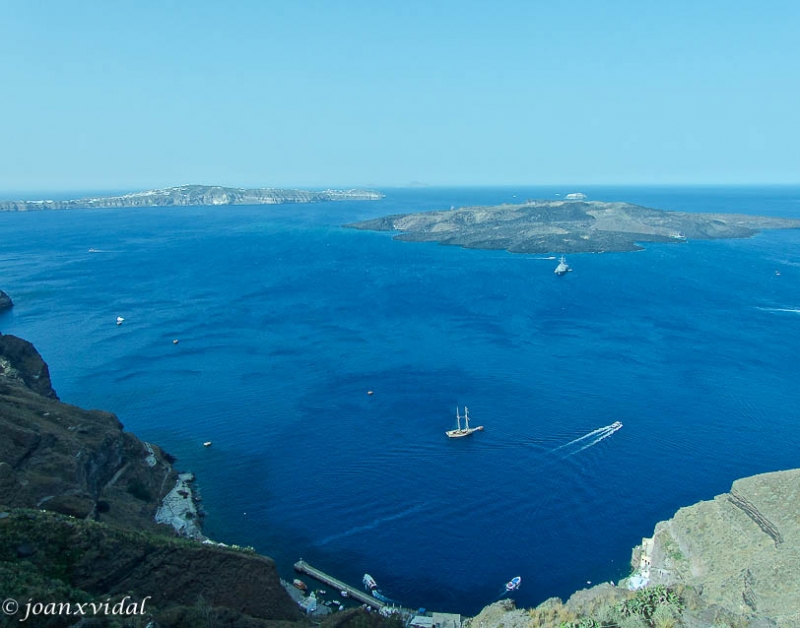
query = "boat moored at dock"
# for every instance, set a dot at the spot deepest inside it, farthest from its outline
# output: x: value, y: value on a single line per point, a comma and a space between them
x: 369, y: 582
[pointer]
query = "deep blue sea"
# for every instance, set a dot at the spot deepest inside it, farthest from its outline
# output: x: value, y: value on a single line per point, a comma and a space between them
x: 285, y: 321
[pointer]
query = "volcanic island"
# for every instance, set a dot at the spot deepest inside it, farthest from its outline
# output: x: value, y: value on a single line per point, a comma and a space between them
x: 567, y: 226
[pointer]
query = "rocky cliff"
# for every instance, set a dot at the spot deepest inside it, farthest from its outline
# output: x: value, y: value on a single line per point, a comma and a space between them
x: 733, y: 561
x: 45, y: 556
x: 58, y: 457
x: 78, y: 499
x: 741, y: 550
x: 196, y: 195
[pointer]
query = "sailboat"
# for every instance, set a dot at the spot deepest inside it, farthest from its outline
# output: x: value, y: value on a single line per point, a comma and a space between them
x: 463, y: 431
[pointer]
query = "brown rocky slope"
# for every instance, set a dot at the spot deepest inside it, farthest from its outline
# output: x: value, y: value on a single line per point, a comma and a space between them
x: 78, y: 496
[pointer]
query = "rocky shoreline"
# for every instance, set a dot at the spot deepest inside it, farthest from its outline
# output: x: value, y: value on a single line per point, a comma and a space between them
x: 179, y: 509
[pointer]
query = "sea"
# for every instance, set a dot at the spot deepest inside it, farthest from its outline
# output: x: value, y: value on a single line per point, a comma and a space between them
x: 286, y: 320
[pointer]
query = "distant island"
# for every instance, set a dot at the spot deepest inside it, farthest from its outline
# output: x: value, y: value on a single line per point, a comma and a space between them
x: 567, y: 226
x: 195, y: 196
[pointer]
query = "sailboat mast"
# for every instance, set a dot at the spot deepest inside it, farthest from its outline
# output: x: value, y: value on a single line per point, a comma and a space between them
x: 466, y: 418
x: 458, y: 419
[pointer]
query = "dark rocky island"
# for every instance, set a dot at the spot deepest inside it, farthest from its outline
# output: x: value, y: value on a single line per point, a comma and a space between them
x: 196, y: 195
x: 568, y: 226
x: 5, y: 301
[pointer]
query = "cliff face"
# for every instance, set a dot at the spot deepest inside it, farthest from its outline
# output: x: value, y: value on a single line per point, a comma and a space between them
x: 741, y: 550
x: 197, y: 195
x: 184, y: 582
x: 732, y: 561
x: 78, y: 498
x: 62, y: 458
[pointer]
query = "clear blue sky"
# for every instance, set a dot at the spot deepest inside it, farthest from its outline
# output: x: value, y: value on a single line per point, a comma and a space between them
x: 105, y: 95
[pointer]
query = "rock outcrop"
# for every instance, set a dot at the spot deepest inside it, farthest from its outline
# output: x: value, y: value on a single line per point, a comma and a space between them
x: 20, y: 362
x: 741, y: 550
x: 62, y: 458
x: 78, y: 499
x: 184, y: 582
x: 5, y: 301
x: 196, y: 195
x: 567, y: 226
x: 732, y: 561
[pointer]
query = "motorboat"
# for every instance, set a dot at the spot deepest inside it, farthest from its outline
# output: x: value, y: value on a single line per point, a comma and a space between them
x: 514, y: 583
x: 369, y: 582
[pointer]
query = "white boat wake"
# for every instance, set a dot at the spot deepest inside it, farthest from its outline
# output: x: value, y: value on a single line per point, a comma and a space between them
x: 614, y: 426
x: 369, y: 526
x: 792, y: 310
x: 600, y: 434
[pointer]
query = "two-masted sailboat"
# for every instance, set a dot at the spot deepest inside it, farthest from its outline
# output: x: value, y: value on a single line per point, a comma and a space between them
x: 463, y: 431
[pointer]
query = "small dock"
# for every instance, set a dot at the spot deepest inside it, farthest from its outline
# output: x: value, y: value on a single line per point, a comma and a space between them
x: 303, y: 567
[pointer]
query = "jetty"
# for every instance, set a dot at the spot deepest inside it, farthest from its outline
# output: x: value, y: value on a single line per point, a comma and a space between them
x: 302, y: 566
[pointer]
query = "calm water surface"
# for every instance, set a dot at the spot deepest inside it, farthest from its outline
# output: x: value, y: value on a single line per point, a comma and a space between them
x: 286, y: 320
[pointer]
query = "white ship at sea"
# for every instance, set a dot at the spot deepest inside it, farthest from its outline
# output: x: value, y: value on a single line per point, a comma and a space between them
x: 562, y: 267
x: 459, y: 432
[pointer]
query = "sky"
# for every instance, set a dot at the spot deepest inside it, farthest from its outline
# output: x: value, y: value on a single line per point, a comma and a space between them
x: 100, y: 95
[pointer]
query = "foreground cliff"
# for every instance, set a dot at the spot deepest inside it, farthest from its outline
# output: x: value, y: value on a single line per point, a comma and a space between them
x: 46, y: 556
x: 78, y: 502
x: 741, y: 550
x: 567, y: 226
x: 196, y: 195
x: 733, y: 561
x: 61, y: 458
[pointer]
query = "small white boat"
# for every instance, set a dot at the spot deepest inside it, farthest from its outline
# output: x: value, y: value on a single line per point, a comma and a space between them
x: 300, y: 584
x: 119, y: 320
x: 207, y: 443
x: 514, y: 583
x: 369, y: 582
x: 460, y: 432
x: 562, y: 268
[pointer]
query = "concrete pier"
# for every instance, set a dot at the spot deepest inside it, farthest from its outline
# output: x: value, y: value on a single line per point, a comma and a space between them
x: 357, y: 594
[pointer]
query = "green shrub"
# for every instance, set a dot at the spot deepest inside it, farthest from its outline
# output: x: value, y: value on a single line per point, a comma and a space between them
x: 139, y: 490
